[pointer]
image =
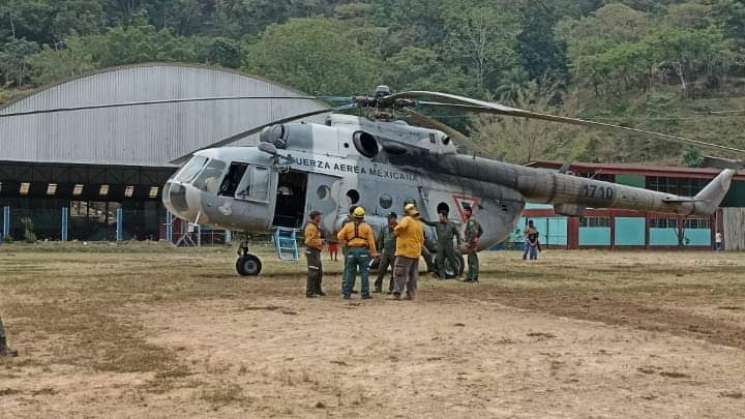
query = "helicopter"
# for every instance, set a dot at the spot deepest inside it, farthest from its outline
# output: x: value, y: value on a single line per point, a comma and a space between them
x: 386, y: 155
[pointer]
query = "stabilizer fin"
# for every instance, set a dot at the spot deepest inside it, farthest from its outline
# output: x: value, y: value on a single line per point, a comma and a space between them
x: 708, y: 200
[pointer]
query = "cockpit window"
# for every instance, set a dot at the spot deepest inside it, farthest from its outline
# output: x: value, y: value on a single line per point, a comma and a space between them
x: 255, y: 184
x: 191, y: 169
x: 210, y: 178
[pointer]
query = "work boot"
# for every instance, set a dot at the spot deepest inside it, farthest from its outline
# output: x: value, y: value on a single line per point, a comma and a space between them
x: 5, y: 351
x: 396, y: 296
x: 366, y: 297
x: 321, y: 294
x: 309, y: 295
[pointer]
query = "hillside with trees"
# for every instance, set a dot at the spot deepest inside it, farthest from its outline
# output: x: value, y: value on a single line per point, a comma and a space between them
x: 674, y: 66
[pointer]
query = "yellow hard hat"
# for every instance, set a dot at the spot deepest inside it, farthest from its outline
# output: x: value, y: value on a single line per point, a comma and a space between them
x: 359, y: 212
x: 410, y: 209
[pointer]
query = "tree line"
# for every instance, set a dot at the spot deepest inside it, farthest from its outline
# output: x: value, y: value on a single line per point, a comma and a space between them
x: 570, y: 56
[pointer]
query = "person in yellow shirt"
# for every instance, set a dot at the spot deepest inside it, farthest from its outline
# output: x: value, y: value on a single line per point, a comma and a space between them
x: 409, y: 241
x: 313, y: 247
x: 359, y: 238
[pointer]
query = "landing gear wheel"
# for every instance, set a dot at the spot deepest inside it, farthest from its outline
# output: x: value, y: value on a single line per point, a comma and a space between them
x: 248, y: 265
x: 457, y: 270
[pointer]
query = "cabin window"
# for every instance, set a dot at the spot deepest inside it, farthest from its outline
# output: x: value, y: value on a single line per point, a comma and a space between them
x: 386, y: 201
x: 230, y: 184
x: 354, y: 196
x: 260, y: 183
x: 323, y: 192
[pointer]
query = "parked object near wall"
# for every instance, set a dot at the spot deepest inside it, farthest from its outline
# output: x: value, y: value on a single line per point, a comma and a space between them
x: 733, y: 220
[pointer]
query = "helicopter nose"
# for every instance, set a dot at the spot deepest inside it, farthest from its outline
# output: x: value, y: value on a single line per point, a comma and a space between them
x: 175, y: 199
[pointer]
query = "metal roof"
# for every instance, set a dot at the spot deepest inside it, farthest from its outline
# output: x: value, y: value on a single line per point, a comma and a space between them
x: 140, y: 135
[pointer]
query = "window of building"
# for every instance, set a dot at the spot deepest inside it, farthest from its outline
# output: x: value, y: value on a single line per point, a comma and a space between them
x: 51, y: 189
x: 154, y: 192
x: 129, y: 191
x: 677, y: 186
x: 697, y: 223
x: 77, y: 190
x: 663, y: 223
x: 594, y: 222
x: 103, y: 190
x: 25, y: 187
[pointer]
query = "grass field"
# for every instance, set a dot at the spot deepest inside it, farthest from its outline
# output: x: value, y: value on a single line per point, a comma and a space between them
x: 151, y: 331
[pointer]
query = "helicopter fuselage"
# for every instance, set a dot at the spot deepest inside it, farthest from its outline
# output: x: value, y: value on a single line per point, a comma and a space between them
x: 381, y: 165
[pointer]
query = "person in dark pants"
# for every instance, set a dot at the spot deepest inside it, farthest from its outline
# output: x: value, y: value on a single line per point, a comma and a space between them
x: 4, y: 349
x: 345, y: 250
x: 313, y: 247
x: 358, y: 236
x: 472, y: 235
x: 409, y: 242
x: 446, y: 232
x: 387, y: 246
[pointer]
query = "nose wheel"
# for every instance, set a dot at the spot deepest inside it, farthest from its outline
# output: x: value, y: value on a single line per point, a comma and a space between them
x: 247, y: 263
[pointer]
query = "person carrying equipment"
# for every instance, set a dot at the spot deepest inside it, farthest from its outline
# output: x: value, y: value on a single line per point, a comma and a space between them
x: 409, y: 241
x: 387, y: 246
x: 359, y: 238
x: 313, y: 248
x: 473, y: 234
x: 446, y: 231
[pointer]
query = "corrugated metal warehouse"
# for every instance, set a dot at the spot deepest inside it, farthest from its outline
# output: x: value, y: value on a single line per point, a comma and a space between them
x: 106, y: 163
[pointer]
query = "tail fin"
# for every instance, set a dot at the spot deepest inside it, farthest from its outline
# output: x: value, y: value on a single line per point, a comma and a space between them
x: 707, y: 201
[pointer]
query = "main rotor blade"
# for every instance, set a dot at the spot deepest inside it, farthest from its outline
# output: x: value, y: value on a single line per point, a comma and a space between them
x: 252, y: 131
x: 168, y: 101
x: 479, y: 106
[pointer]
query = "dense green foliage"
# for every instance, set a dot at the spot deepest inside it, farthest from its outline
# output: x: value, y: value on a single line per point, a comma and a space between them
x: 640, y: 62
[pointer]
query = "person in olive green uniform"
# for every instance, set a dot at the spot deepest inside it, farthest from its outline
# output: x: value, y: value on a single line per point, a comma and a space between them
x: 313, y: 247
x: 446, y: 232
x: 387, y: 247
x: 473, y: 235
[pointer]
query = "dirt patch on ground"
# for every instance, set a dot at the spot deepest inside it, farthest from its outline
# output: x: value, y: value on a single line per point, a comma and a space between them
x: 159, y: 333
